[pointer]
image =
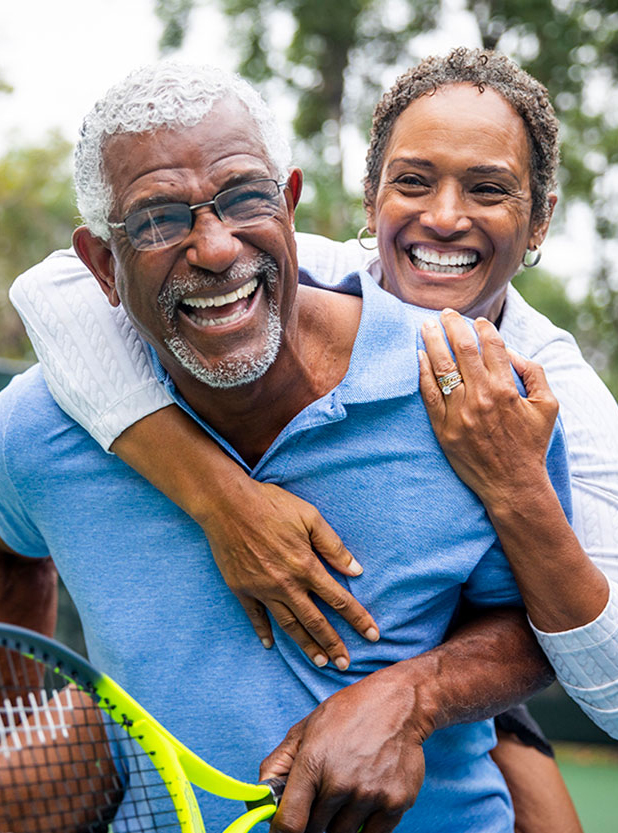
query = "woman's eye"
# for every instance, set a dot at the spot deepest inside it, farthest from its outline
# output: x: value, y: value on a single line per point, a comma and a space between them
x: 410, y: 180
x: 490, y: 189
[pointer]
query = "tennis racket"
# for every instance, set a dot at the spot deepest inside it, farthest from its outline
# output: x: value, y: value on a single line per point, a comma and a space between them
x: 79, y: 755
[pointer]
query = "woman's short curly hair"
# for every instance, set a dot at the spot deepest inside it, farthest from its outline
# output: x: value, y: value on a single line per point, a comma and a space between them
x: 482, y: 68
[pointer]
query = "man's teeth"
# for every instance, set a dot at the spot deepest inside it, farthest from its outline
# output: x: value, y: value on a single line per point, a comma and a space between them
x: 430, y: 260
x: 215, y: 322
x: 222, y: 300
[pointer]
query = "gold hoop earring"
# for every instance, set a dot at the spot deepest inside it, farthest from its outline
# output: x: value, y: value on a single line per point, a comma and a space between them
x: 360, y: 239
x: 529, y: 264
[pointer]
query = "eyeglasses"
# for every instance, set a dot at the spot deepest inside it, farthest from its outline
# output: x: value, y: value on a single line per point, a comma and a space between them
x: 161, y: 226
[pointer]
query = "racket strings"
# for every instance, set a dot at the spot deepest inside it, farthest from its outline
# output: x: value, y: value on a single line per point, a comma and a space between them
x: 65, y: 765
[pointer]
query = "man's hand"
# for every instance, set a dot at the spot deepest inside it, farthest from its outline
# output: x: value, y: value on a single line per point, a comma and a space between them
x: 267, y: 556
x: 356, y: 760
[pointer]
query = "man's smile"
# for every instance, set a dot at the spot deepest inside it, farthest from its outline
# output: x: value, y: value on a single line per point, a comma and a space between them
x: 223, y: 308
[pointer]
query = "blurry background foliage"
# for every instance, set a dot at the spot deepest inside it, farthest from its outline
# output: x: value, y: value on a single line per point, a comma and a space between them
x: 332, y: 59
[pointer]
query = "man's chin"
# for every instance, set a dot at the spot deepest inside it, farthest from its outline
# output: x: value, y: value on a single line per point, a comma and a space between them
x: 227, y: 373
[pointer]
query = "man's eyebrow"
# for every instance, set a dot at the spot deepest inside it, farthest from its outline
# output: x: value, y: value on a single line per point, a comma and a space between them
x: 149, y: 202
x: 240, y: 177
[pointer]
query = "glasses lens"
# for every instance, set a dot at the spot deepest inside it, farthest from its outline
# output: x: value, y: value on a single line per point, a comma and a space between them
x: 159, y: 226
x: 249, y: 203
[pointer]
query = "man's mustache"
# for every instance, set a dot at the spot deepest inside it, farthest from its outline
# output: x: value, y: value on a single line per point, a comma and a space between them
x: 193, y: 279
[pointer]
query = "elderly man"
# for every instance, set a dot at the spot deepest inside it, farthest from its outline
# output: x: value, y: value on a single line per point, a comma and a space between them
x: 189, y: 204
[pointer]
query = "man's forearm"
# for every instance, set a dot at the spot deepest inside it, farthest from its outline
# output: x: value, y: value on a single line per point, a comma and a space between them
x: 362, y: 748
x: 490, y: 663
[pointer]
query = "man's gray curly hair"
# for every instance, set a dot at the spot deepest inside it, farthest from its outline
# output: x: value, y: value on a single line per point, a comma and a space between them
x: 167, y: 94
x: 482, y: 68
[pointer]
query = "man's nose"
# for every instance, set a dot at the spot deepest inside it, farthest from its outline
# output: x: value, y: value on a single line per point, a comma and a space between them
x: 212, y: 245
x: 446, y: 212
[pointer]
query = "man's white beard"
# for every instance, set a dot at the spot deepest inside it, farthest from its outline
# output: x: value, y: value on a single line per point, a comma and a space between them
x: 241, y: 369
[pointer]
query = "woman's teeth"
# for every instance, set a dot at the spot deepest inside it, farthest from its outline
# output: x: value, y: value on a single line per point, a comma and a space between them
x: 451, y: 263
x: 221, y: 300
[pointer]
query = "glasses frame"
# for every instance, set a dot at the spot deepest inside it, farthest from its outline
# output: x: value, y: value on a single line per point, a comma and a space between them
x: 214, y: 202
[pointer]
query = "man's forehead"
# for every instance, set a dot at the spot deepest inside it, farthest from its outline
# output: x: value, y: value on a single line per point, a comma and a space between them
x: 226, y: 134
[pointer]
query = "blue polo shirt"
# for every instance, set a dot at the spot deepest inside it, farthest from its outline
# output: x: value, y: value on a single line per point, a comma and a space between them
x: 160, y: 620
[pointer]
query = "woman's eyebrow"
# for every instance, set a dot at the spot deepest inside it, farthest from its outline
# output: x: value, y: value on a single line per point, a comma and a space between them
x: 416, y: 161
x: 489, y: 170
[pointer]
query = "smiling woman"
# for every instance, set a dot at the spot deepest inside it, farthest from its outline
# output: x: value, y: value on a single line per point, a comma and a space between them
x: 459, y: 184
x: 451, y: 231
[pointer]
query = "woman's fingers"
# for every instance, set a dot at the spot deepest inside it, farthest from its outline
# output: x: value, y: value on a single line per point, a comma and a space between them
x: 440, y: 357
x: 312, y: 632
x: 256, y: 613
x: 431, y: 393
x: 533, y: 378
x: 494, y: 353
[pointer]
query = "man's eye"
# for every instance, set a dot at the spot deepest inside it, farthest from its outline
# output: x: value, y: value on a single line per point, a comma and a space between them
x: 156, y: 224
x: 245, y: 197
x: 252, y: 203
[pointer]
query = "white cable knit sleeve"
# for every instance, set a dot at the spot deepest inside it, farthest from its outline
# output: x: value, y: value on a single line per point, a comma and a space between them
x: 95, y: 364
x: 586, y: 663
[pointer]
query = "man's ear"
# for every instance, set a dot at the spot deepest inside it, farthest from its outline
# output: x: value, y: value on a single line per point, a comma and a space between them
x: 539, y: 232
x: 97, y: 256
x: 293, y: 190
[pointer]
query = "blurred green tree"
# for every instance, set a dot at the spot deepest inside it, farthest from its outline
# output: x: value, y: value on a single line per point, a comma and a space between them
x: 37, y: 215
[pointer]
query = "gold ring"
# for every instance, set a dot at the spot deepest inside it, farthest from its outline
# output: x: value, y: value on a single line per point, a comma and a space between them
x: 449, y: 382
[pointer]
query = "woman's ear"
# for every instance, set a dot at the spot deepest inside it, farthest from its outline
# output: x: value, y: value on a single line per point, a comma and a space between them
x: 539, y: 232
x: 97, y: 256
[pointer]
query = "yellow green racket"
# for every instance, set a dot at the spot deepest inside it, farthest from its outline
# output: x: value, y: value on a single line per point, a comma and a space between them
x: 78, y: 754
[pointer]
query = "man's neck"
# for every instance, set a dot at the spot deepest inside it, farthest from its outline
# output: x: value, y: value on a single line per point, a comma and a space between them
x: 312, y: 360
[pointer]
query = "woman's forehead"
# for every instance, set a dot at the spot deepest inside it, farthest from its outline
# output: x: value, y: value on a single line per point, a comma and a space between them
x: 461, y: 120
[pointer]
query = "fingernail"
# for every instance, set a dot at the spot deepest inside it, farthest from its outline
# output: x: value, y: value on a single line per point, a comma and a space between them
x: 267, y: 643
x: 372, y: 634
x: 430, y: 324
x: 354, y: 567
x: 342, y: 663
x: 320, y: 660
x: 448, y: 309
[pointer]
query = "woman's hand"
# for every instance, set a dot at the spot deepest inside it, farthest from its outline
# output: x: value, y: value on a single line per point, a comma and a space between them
x: 265, y: 541
x: 495, y: 439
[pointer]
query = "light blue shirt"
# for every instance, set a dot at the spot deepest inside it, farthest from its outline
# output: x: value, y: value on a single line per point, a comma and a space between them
x: 159, y: 619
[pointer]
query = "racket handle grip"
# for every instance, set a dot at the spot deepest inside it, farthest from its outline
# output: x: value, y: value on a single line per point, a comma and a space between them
x: 276, y: 786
